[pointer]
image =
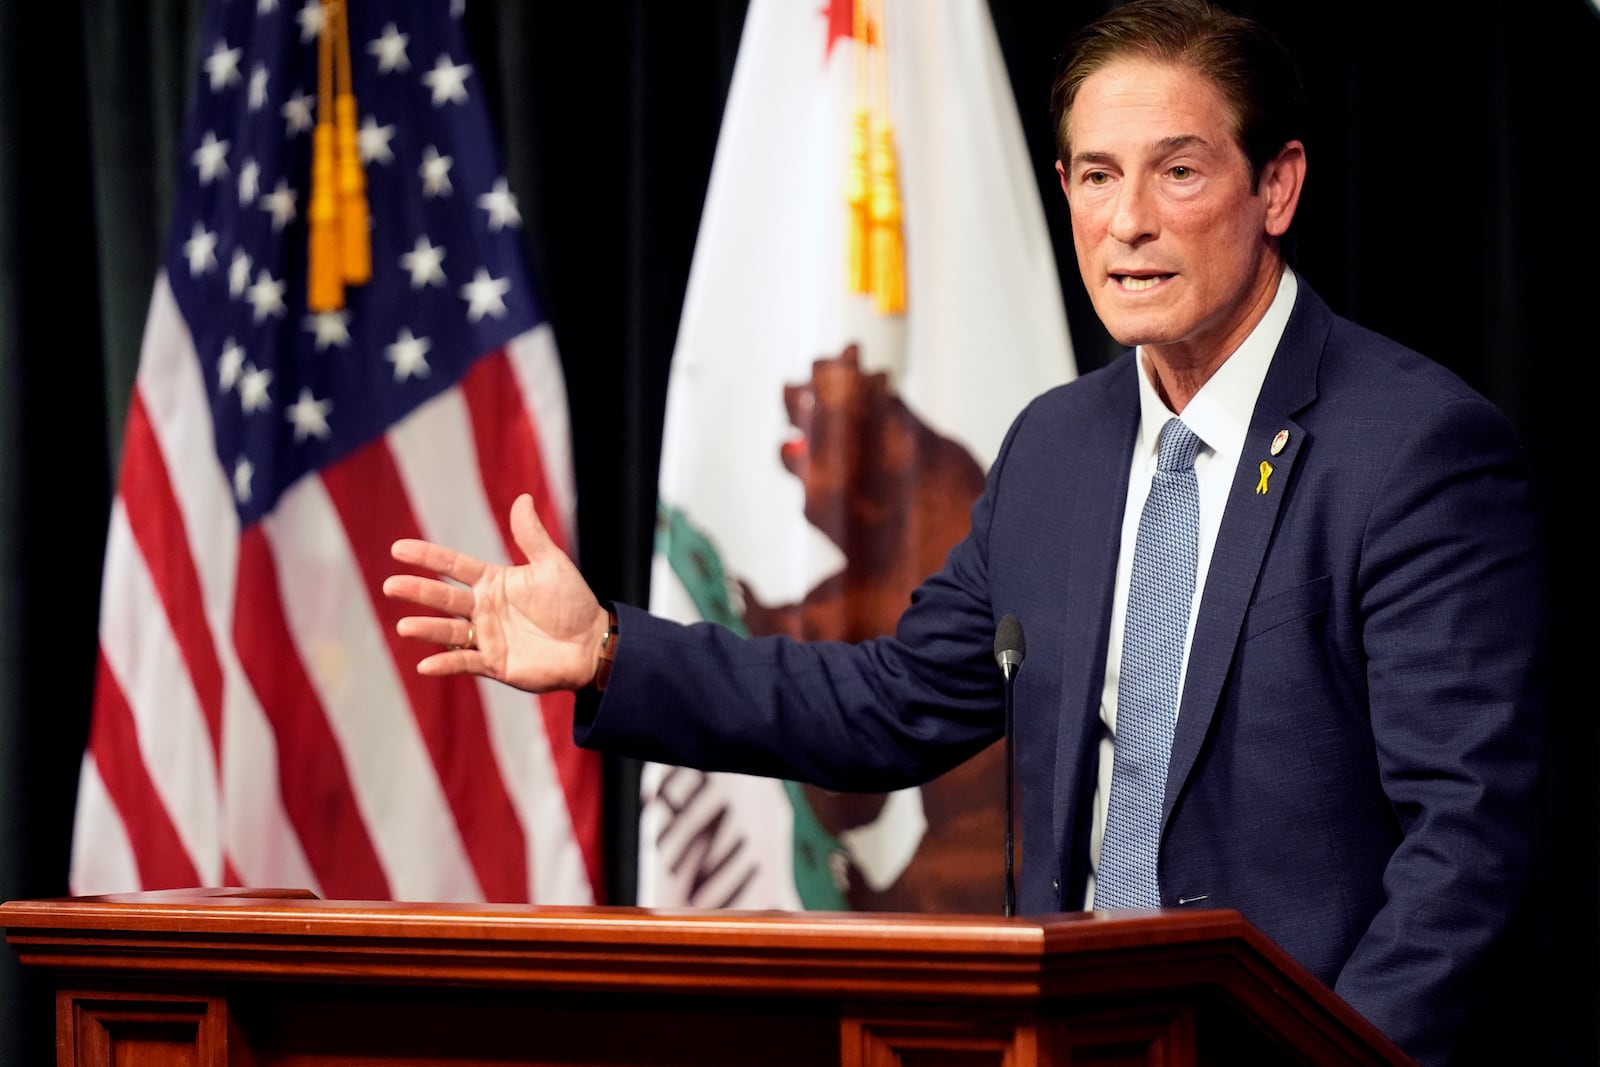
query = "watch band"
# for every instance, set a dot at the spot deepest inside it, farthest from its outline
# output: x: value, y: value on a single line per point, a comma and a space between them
x: 608, y: 653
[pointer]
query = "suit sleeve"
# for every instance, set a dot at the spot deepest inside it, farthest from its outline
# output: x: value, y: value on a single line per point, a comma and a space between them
x: 870, y: 717
x: 1449, y: 591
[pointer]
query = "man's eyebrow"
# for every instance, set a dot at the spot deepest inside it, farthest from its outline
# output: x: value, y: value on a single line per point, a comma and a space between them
x: 1181, y: 140
x: 1091, y: 158
x: 1164, y: 146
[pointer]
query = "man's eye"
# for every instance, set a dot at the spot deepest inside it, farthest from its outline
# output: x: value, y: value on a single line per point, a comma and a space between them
x: 1097, y: 177
x: 1181, y: 172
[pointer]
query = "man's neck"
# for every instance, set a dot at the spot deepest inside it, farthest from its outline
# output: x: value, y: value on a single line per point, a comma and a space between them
x: 1179, y: 370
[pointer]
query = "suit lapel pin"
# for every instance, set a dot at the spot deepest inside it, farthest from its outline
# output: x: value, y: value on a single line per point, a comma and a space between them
x: 1266, y: 472
x: 1279, y: 441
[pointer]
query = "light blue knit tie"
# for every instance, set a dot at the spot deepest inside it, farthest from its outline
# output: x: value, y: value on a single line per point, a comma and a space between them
x: 1160, y: 589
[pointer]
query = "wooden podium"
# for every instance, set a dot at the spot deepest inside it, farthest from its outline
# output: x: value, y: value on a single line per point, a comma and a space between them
x: 251, y: 978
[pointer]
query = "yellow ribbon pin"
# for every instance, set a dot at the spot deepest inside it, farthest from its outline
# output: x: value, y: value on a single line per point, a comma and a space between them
x: 1266, y: 472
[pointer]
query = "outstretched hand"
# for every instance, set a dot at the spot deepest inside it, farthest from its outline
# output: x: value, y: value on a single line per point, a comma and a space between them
x: 536, y: 626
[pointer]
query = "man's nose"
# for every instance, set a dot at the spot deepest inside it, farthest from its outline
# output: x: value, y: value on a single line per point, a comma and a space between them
x: 1133, y: 216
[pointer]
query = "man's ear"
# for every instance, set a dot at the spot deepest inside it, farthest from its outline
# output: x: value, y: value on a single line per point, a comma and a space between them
x: 1281, y: 181
x: 1061, y: 170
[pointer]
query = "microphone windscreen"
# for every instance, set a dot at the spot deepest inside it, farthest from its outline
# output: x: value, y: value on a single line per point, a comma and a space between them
x: 1008, y: 643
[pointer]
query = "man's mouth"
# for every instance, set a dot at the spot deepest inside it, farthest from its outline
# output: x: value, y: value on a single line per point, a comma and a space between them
x: 1138, y: 283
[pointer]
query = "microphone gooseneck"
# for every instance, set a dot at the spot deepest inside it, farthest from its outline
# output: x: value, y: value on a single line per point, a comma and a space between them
x: 1009, y: 648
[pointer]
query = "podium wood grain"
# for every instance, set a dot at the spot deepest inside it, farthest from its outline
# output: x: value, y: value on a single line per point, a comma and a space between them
x: 250, y: 978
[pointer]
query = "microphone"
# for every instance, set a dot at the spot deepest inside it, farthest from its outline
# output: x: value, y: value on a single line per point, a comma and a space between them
x: 1009, y: 648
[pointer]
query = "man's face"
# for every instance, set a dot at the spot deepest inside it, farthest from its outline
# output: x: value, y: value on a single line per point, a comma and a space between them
x: 1171, y: 235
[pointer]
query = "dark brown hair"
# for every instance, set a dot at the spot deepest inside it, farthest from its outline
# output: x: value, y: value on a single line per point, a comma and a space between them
x: 1253, y: 71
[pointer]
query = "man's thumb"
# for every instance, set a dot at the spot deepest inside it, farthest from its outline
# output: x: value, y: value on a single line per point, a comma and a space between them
x: 527, y: 529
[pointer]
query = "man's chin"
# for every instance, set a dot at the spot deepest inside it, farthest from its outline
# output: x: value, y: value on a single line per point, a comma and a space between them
x: 1131, y: 328
x: 1134, y: 335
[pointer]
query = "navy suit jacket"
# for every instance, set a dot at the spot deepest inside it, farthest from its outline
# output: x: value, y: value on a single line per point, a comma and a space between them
x: 1356, y: 748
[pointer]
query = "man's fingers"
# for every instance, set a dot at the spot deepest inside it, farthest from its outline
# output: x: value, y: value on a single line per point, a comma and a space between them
x: 440, y: 631
x: 425, y: 555
x: 429, y: 593
x: 451, y: 661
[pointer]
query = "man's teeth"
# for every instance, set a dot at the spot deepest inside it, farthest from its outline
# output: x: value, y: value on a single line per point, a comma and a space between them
x: 1139, y: 284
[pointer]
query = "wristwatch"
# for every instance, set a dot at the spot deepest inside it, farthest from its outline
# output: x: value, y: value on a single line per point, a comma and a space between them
x: 608, y: 652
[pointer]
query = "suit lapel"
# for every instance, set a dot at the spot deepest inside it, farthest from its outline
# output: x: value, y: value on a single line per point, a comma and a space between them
x: 1248, y: 521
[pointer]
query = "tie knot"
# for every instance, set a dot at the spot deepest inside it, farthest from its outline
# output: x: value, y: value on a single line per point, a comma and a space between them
x: 1176, y: 448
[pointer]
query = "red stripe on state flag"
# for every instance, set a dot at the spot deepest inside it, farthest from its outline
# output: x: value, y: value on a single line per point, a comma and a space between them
x: 313, y: 778
x: 162, y: 859
x: 510, y: 463
x: 370, y: 498
x: 157, y: 525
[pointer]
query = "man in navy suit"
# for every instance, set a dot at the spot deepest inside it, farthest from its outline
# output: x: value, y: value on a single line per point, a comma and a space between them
x: 1354, y: 754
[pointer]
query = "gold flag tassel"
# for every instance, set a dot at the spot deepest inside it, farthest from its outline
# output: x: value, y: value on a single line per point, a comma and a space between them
x: 324, y: 274
x: 354, y: 225
x: 857, y: 186
x: 856, y: 189
x: 886, y: 250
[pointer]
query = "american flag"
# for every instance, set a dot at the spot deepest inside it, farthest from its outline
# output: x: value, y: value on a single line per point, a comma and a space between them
x: 256, y: 720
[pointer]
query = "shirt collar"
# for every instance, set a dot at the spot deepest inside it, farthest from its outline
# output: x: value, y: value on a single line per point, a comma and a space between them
x: 1219, y: 414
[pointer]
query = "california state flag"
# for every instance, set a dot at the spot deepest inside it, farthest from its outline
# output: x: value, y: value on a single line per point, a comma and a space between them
x: 873, y: 299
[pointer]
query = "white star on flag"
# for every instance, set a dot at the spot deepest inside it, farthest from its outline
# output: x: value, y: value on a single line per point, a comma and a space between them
x: 253, y: 387
x: 331, y: 328
x: 239, y: 268
x: 408, y: 354
x: 211, y: 158
x: 280, y: 203
x: 243, y: 472
x: 372, y: 141
x: 222, y: 66
x: 201, y: 250
x: 435, y: 171
x: 448, y: 81
x: 501, y: 206
x: 258, y: 87
x: 266, y: 297
x: 230, y: 364
x: 296, y: 111
x: 423, y: 263
x: 311, y: 18
x: 309, y: 416
x: 484, y: 296
x: 390, y: 49
x: 249, y: 182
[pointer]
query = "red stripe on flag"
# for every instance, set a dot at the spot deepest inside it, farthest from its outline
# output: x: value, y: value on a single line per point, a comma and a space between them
x: 372, y: 504
x: 312, y: 776
x: 158, y: 529
x: 579, y: 769
x: 162, y: 859
x: 510, y: 462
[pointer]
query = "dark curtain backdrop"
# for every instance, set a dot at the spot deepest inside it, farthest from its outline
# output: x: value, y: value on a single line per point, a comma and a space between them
x: 1449, y: 205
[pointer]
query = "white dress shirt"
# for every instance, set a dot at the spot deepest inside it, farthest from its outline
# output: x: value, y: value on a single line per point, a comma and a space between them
x: 1219, y: 414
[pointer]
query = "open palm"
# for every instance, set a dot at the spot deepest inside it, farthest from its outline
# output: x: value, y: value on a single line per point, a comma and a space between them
x: 535, y: 625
